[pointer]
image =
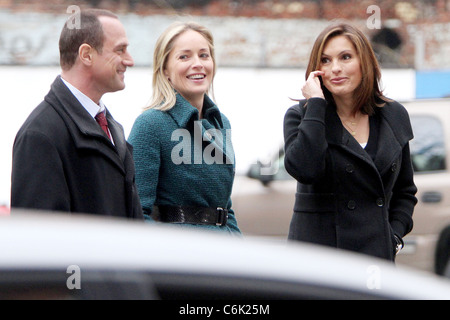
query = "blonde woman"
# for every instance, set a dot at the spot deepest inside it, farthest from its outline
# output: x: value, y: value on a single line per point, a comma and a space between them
x: 348, y: 147
x: 182, y: 145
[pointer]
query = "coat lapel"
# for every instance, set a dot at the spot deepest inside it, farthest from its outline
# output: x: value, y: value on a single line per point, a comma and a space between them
x: 185, y: 115
x: 390, y: 142
x: 118, y: 135
x: 389, y: 146
x: 85, y: 131
x: 338, y: 136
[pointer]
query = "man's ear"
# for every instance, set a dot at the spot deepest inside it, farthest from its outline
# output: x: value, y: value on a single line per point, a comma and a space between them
x: 86, y: 54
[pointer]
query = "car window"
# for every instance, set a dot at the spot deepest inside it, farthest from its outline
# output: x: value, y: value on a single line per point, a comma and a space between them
x: 427, y: 147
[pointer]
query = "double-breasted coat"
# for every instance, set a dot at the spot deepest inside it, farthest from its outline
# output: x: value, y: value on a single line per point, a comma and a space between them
x: 346, y: 197
x: 63, y: 161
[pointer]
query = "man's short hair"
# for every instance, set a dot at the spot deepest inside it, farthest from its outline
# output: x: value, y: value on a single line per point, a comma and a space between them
x: 88, y: 31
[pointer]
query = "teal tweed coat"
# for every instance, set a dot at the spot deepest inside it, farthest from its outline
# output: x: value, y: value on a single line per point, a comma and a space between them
x: 183, y: 160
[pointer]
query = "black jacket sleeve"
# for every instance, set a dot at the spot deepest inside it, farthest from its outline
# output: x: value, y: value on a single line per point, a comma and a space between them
x: 305, y: 141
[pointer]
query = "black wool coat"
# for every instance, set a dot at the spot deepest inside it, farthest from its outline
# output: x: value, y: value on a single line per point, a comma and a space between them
x: 63, y: 161
x: 345, y: 198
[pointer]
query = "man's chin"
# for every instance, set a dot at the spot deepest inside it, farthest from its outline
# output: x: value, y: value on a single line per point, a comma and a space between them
x: 117, y: 87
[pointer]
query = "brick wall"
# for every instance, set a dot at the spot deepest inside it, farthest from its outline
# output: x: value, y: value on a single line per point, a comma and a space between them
x: 266, y: 33
x: 408, y: 11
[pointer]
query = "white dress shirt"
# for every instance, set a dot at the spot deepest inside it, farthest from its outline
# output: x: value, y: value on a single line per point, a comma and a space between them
x: 91, y: 107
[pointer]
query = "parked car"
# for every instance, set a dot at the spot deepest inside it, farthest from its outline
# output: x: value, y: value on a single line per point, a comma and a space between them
x: 264, y: 199
x: 55, y: 256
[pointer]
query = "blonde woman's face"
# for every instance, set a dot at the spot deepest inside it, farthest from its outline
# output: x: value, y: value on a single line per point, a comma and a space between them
x: 341, y: 66
x: 190, y: 67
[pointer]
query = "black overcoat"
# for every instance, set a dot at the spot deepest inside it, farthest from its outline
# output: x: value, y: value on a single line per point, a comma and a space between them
x: 63, y: 161
x: 345, y: 198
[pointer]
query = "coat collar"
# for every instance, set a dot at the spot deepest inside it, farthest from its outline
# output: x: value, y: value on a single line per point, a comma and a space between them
x: 183, y: 112
x: 85, y: 131
x: 395, y: 132
x: 337, y: 135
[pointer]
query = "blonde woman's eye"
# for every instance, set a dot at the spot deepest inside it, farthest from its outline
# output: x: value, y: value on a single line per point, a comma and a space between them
x: 325, y: 60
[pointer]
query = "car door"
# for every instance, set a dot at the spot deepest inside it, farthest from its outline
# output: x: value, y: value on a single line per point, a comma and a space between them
x: 429, y: 154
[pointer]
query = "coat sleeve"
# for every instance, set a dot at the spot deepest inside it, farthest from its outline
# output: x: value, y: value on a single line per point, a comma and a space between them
x: 403, y: 197
x: 37, y: 178
x: 145, y: 140
x: 305, y: 141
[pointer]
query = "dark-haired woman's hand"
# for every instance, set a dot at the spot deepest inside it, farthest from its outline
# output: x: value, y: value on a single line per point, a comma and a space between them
x: 312, y: 88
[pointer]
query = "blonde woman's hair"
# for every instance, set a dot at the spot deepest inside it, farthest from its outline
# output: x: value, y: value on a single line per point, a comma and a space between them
x: 164, y: 96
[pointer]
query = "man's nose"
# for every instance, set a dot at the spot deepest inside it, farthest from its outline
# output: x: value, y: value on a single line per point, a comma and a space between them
x: 128, y: 60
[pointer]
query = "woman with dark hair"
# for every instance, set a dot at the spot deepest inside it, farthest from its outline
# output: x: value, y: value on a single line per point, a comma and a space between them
x: 348, y: 147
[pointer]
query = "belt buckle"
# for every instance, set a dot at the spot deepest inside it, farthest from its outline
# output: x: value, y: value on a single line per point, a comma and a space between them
x: 222, y: 216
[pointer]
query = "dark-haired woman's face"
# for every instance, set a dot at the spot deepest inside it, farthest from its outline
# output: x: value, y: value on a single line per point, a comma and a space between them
x: 341, y: 66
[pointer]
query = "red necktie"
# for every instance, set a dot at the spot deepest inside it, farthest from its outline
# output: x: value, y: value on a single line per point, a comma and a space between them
x: 101, y: 119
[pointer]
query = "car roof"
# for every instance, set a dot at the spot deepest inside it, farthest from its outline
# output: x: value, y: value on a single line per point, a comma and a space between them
x: 433, y: 106
x: 49, y: 241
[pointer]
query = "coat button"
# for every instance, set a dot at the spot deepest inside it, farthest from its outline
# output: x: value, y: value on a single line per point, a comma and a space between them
x: 351, y: 205
x: 380, y: 202
x: 349, y: 168
x: 208, y: 135
x: 394, y: 167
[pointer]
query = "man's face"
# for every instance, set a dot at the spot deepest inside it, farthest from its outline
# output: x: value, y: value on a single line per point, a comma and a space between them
x: 110, y: 65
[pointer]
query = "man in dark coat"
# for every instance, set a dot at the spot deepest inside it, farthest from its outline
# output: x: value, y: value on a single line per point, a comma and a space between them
x: 63, y: 160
